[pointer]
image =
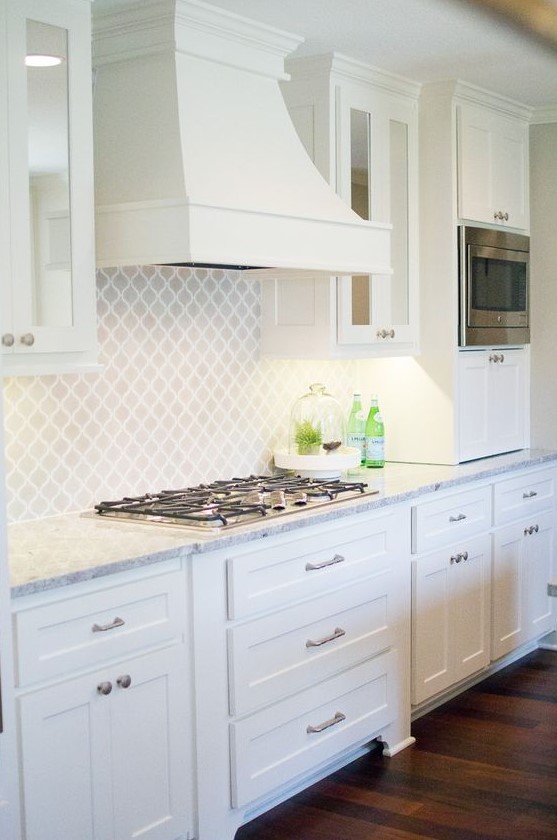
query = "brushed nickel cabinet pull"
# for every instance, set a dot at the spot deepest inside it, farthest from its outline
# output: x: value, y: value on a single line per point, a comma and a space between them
x: 102, y: 628
x: 458, y: 518
x: 338, y: 718
x: 338, y: 632
x: 104, y: 688
x: 533, y: 529
x: 312, y: 567
x: 124, y: 681
x: 529, y: 495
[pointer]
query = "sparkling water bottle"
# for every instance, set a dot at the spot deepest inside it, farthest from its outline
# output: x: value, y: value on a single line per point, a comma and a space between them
x: 375, y: 436
x: 356, y: 428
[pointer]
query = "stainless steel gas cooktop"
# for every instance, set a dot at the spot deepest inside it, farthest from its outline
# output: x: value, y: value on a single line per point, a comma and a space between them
x: 239, y: 501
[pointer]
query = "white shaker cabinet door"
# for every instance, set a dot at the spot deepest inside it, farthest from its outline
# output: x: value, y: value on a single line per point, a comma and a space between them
x: 492, y: 402
x: 523, y: 564
x: 492, y: 167
x: 65, y: 746
x: 150, y: 756
x: 104, y: 754
x: 451, y: 615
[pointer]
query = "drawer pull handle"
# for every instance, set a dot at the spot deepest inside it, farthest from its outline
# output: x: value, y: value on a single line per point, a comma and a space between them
x: 102, y: 628
x: 462, y: 555
x: 338, y: 718
x: 458, y: 518
x: 104, y: 688
x: 124, y: 681
x: 533, y: 529
x: 312, y: 567
x: 529, y: 495
x: 336, y: 635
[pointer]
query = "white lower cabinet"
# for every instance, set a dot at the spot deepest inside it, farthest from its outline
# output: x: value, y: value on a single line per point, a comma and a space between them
x: 308, y: 639
x: 524, y: 560
x: 113, y: 756
x: 451, y: 612
x: 273, y: 746
x: 106, y: 751
x: 483, y: 560
x: 451, y: 589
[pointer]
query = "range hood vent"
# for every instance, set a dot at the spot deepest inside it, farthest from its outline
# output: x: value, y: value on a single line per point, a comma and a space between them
x: 196, y: 158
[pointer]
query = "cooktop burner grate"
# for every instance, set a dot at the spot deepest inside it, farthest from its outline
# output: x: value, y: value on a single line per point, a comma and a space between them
x: 236, y: 501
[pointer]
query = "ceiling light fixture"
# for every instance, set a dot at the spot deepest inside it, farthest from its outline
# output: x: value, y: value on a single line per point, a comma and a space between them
x: 43, y: 60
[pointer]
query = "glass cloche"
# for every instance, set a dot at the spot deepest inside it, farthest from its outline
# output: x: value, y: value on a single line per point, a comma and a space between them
x: 317, y: 424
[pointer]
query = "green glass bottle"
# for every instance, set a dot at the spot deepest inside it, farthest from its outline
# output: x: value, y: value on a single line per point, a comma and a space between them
x: 375, y: 436
x: 356, y: 427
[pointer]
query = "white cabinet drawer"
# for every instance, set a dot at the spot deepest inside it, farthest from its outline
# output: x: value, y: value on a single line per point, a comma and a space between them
x: 83, y: 629
x: 277, y: 573
x: 523, y: 495
x: 277, y: 745
x: 279, y: 654
x: 450, y: 519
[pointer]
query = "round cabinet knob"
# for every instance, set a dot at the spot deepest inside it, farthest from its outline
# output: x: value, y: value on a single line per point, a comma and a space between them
x: 8, y: 340
x: 28, y: 339
x: 124, y: 681
x: 104, y: 688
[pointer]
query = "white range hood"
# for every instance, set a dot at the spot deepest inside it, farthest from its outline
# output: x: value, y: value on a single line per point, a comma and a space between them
x: 196, y: 158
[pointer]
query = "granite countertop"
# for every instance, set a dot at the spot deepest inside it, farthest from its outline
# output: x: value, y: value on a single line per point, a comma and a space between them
x: 49, y: 553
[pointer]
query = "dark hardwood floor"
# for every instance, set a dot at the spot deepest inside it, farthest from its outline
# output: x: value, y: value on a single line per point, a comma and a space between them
x: 484, y: 765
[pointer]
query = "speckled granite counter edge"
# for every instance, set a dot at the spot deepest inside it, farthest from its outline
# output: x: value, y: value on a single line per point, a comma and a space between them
x: 397, y: 483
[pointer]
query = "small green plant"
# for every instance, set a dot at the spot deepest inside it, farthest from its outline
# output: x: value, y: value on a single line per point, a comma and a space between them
x: 308, y: 438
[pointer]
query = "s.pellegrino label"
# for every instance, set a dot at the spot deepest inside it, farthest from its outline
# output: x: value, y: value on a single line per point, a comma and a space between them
x: 375, y: 436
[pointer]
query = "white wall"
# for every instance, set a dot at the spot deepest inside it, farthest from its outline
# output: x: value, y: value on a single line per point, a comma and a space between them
x: 543, y: 299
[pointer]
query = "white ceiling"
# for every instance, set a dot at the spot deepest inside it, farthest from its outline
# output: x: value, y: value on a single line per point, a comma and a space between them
x: 425, y: 40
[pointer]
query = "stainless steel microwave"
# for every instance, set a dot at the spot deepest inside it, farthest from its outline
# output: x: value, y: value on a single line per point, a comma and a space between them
x: 494, y: 287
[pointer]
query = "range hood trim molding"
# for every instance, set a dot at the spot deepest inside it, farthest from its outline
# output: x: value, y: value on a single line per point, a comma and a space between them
x: 159, y: 230
x: 192, y: 28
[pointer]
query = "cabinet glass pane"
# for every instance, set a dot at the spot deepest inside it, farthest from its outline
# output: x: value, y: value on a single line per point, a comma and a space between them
x: 49, y: 175
x: 361, y: 300
x: 360, y: 193
x: 359, y: 163
x: 398, y: 139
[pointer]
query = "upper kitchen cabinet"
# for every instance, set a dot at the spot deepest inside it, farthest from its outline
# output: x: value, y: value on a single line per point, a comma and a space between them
x: 493, y: 165
x: 47, y: 294
x: 359, y: 126
x: 451, y: 421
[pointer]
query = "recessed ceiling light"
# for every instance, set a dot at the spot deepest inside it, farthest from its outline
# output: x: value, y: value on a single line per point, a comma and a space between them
x: 38, y: 60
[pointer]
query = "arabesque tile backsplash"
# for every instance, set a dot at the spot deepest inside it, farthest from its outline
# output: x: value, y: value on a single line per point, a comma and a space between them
x: 183, y: 396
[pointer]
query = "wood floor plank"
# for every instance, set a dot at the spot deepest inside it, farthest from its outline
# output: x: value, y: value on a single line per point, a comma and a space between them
x: 484, y: 767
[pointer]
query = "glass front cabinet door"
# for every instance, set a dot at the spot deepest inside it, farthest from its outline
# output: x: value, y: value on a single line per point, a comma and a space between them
x: 359, y: 126
x: 377, y: 176
x: 47, y: 317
